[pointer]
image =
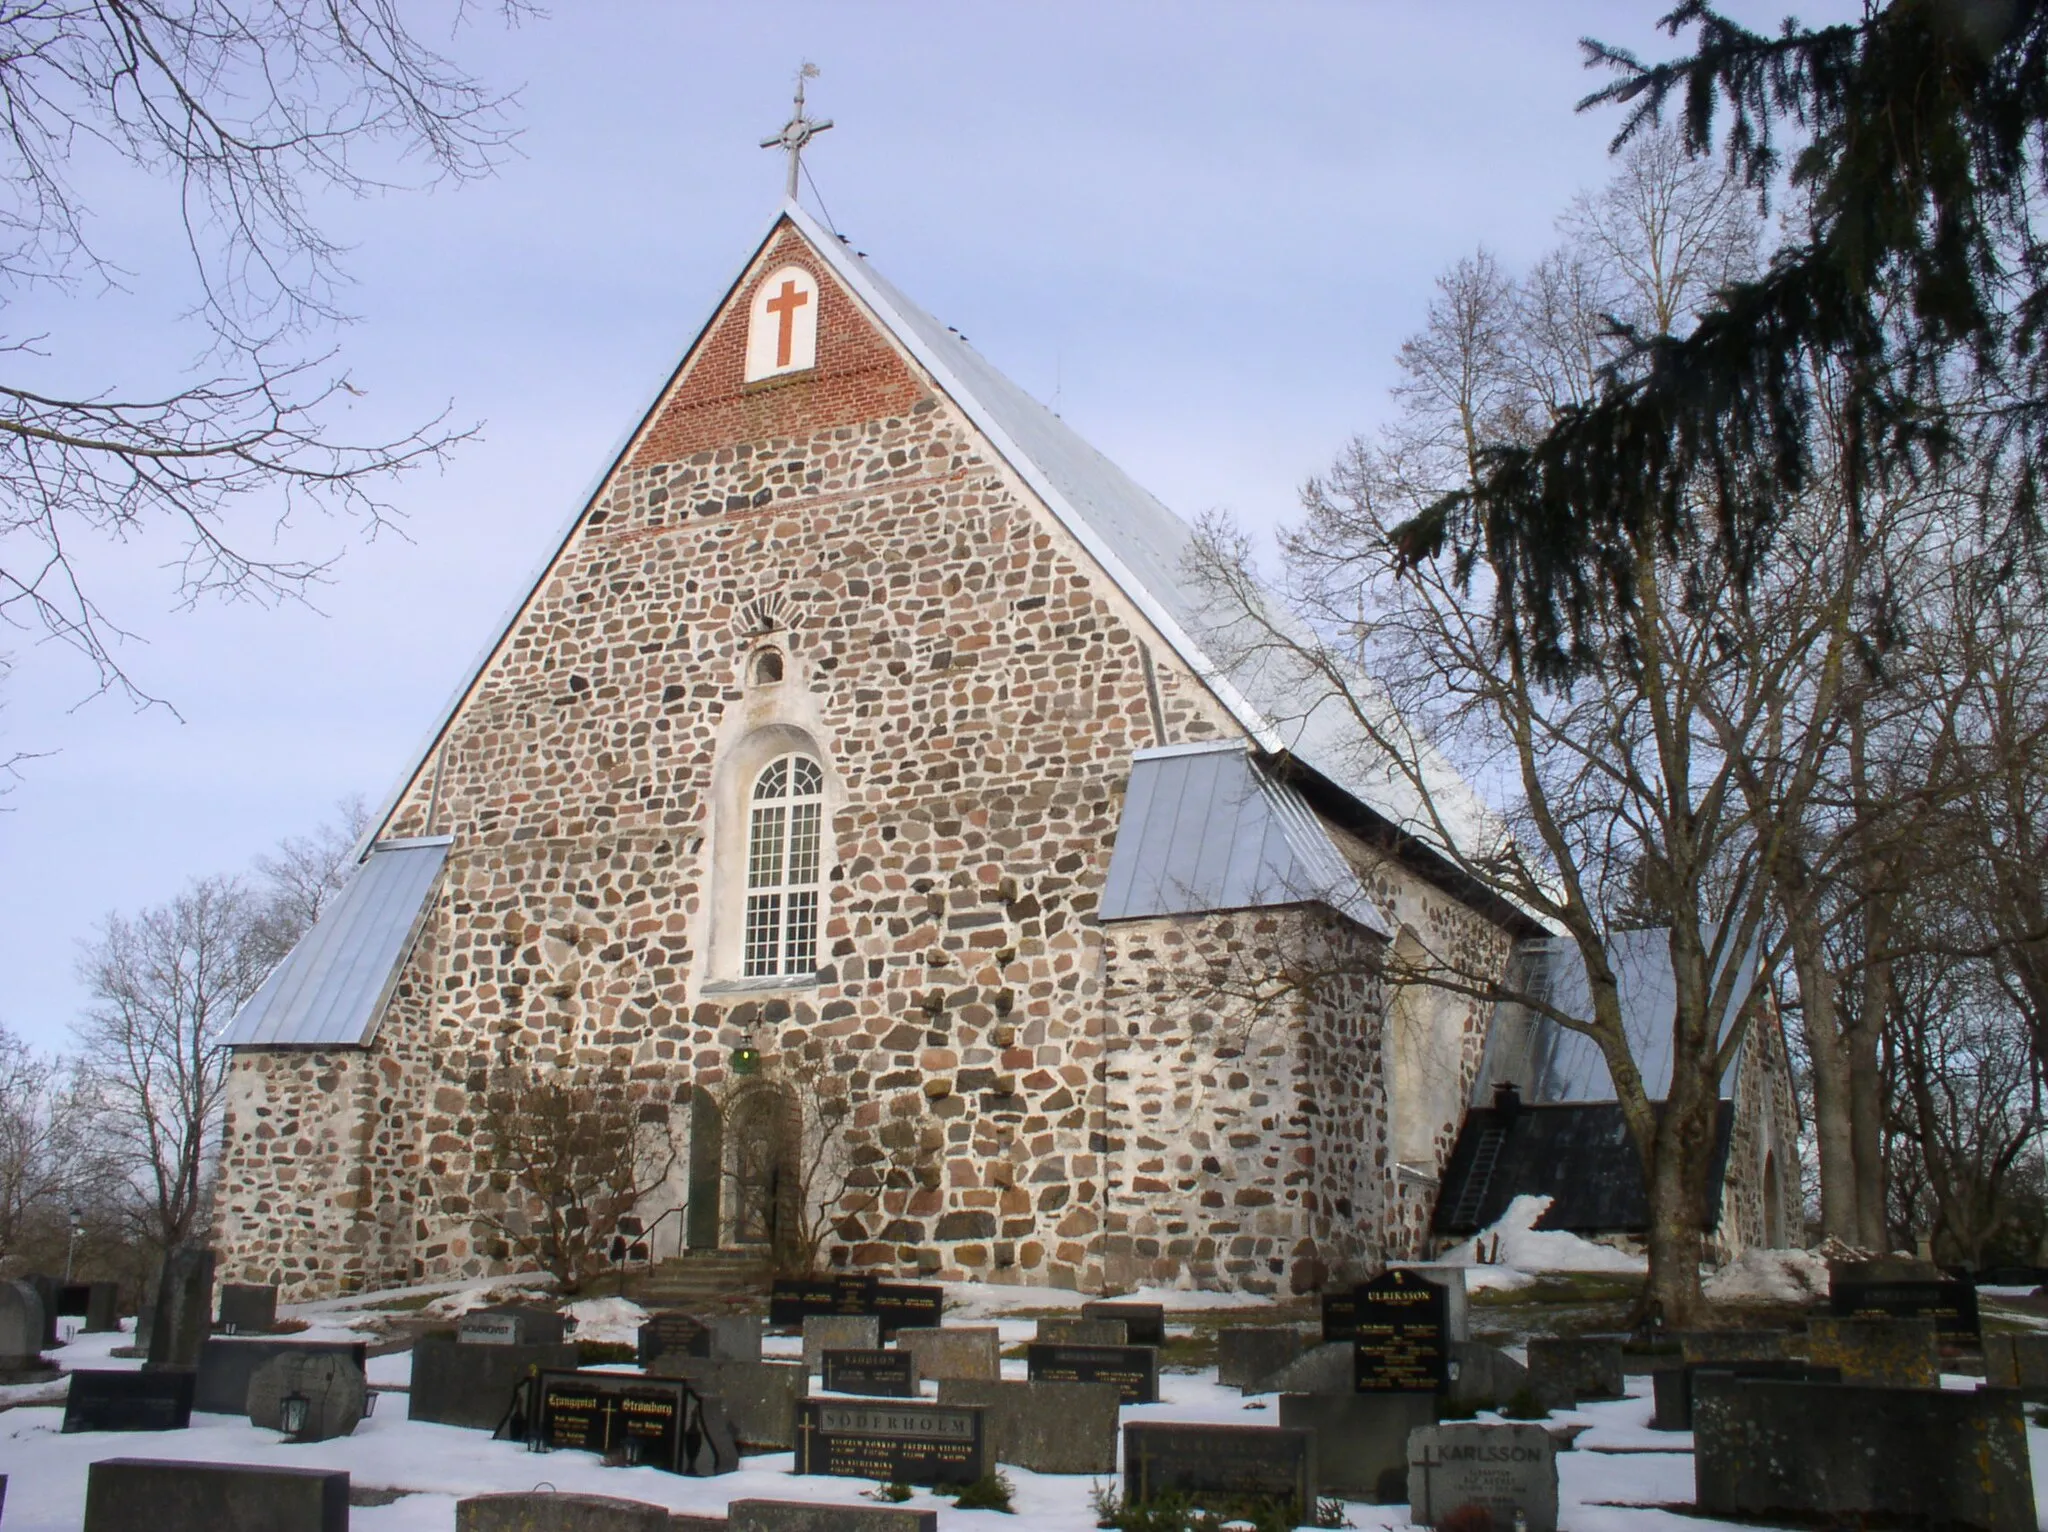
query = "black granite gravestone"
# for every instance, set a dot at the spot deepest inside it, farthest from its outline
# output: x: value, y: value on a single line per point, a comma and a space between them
x: 792, y: 1300
x: 228, y: 1362
x: 650, y: 1422
x: 123, y: 1494
x: 1673, y: 1385
x: 99, y: 1400
x: 883, y: 1374
x: 1398, y: 1336
x: 1951, y: 1305
x: 673, y: 1333
x: 1247, y: 1463
x: 907, y: 1305
x: 247, y: 1309
x: 1133, y: 1369
x: 897, y: 1443
x: 1144, y: 1323
x: 102, y: 1308
x: 184, y: 1309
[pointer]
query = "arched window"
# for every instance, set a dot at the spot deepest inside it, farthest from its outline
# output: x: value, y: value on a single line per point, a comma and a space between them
x: 784, y: 827
x: 767, y: 667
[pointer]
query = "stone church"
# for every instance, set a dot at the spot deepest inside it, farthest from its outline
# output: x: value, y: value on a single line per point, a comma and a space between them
x: 865, y: 793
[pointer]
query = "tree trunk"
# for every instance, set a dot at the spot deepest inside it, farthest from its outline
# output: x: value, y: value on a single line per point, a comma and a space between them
x: 1833, y: 1094
x: 1866, y: 1079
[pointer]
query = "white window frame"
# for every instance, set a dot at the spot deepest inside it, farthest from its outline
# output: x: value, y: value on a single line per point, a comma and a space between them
x: 783, y: 890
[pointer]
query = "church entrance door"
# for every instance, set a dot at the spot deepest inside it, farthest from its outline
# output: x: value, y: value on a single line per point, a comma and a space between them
x: 763, y: 1180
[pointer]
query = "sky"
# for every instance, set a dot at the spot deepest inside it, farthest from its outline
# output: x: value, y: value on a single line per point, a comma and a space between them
x: 1201, y: 231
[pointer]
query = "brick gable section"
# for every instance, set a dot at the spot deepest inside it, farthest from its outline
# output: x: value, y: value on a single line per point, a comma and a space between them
x: 859, y: 375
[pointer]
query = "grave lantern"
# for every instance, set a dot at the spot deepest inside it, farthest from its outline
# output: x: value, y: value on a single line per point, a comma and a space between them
x: 292, y: 1411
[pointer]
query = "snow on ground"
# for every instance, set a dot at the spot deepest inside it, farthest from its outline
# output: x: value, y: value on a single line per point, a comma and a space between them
x: 1517, y: 1252
x: 1769, y: 1276
x: 606, y: 1319
x: 974, y: 1302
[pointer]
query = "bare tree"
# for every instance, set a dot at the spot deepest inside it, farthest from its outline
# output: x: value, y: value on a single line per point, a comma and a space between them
x: 163, y: 984
x: 240, y: 115
x: 308, y: 870
x: 568, y: 1155
x: 48, y: 1162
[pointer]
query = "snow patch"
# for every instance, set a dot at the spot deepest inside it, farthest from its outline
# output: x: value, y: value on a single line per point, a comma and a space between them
x: 1769, y: 1276
x: 1520, y: 1251
x: 606, y: 1319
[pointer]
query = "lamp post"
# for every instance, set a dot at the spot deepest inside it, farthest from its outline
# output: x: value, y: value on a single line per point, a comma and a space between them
x: 71, y: 1250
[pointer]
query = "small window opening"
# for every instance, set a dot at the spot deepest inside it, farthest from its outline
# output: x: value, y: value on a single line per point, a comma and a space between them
x: 767, y: 667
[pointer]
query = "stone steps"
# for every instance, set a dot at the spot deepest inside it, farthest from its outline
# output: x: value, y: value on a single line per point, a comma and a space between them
x: 712, y: 1277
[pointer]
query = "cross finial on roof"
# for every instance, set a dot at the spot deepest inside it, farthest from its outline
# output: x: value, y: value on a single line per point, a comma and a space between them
x: 799, y: 130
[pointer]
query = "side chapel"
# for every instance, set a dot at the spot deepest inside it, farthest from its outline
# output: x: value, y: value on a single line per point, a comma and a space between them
x: 864, y: 743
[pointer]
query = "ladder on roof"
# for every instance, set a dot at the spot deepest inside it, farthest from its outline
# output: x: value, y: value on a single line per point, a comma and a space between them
x: 1472, y: 1196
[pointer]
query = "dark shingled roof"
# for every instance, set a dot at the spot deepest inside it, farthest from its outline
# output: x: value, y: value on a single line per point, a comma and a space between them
x: 1576, y: 1153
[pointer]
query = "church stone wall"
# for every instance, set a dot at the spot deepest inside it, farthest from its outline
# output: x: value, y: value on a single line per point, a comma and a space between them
x: 1763, y: 1150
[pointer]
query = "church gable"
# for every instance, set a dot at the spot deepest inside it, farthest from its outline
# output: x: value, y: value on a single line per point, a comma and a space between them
x: 817, y: 362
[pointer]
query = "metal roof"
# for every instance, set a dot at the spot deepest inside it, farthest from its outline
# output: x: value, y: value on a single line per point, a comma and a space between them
x: 331, y: 989
x: 1204, y: 828
x: 1549, y: 1063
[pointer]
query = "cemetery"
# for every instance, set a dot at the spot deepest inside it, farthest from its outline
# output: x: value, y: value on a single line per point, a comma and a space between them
x: 1423, y: 1396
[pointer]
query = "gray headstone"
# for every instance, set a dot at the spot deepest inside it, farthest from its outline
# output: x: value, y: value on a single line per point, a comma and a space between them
x: 1731, y: 1345
x: 1324, y: 1369
x: 1567, y: 1369
x: 1247, y: 1355
x: 1045, y: 1427
x: 542, y: 1511
x: 735, y: 1337
x: 1361, y: 1440
x: 1163, y: 1458
x: 801, y: 1516
x: 2018, y: 1361
x: 122, y: 1494
x: 50, y: 1291
x: 1843, y: 1452
x: 227, y: 1363
x: 1484, y: 1376
x: 458, y: 1385
x: 99, y: 1400
x: 838, y: 1332
x: 332, y: 1386
x: 103, y: 1308
x: 1897, y: 1353
x: 1144, y: 1322
x: 1505, y: 1470
x: 510, y: 1324
x: 1083, y: 1332
x: 246, y: 1309
x: 971, y: 1353
x: 760, y: 1398
x: 21, y: 1326
x: 184, y: 1308
x: 1672, y: 1386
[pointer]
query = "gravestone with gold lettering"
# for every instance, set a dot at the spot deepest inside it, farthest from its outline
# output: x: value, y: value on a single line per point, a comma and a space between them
x: 1399, y: 1339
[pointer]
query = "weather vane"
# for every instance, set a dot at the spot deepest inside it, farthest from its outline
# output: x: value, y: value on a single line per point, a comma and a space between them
x: 798, y: 131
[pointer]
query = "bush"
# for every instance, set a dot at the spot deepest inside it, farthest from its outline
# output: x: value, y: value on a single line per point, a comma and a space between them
x: 603, y: 1353
x: 991, y: 1492
x: 1525, y: 1406
x: 894, y: 1494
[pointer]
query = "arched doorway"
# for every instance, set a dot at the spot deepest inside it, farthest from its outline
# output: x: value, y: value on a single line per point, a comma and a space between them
x: 761, y: 1168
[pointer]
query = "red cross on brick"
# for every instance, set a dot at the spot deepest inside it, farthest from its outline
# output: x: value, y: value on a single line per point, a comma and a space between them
x: 784, y: 306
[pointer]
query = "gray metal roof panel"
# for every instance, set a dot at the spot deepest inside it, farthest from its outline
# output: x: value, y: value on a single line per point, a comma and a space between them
x: 332, y: 987
x: 1209, y: 830
x: 1550, y: 1063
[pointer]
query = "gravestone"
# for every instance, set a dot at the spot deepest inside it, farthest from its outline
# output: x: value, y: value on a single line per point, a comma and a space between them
x: 801, y: 1516
x: 1083, y: 1332
x: 546, y: 1511
x: 838, y: 1332
x: 967, y: 1352
x: 1330, y: 1368
x: 102, y: 1308
x: 792, y: 1300
x: 458, y: 1385
x: 1457, y: 1297
x: 648, y: 1422
x: 673, y: 1333
x: 332, y: 1386
x: 1673, y: 1386
x: 1731, y: 1345
x: 1898, y: 1353
x: 1045, y: 1427
x: 145, y: 1314
x: 2018, y: 1361
x: 246, y: 1309
x: 1400, y: 1335
x: 99, y: 1400
x: 1506, y: 1471
x: 1133, y: 1369
x: 1847, y: 1453
x: 510, y: 1324
x: 49, y: 1292
x: 882, y: 1374
x: 122, y: 1494
x: 1483, y: 1377
x: 227, y: 1363
x: 21, y: 1327
x: 1253, y: 1463
x: 760, y: 1398
x: 1361, y: 1439
x: 900, y: 1304
x: 896, y: 1443
x: 1892, y: 1289
x: 1566, y: 1369
x: 184, y: 1308
x: 1246, y: 1355
x: 1144, y: 1323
